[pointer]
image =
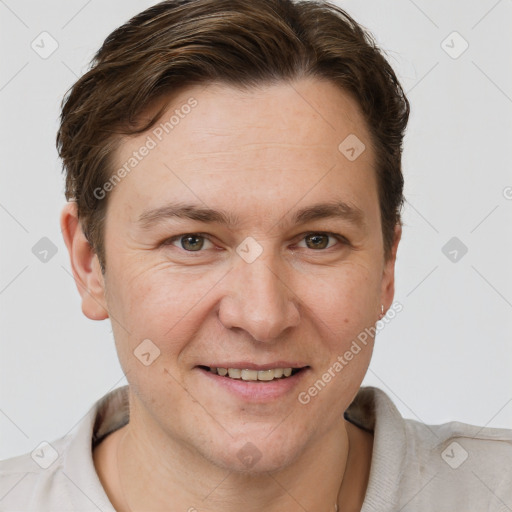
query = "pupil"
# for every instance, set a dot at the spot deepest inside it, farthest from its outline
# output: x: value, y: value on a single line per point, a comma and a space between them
x: 318, y: 241
x: 192, y: 243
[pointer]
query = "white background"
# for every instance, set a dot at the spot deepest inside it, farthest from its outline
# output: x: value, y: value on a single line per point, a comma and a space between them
x: 446, y: 356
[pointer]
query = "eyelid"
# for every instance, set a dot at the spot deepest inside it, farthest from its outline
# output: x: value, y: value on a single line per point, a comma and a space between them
x: 340, y: 238
x: 172, y: 239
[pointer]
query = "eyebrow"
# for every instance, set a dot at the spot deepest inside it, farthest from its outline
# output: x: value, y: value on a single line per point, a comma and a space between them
x: 334, y: 209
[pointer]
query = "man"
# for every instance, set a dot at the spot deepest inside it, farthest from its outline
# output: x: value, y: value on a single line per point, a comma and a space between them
x: 234, y: 178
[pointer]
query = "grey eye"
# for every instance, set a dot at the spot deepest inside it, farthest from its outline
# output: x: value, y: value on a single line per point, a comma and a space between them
x: 192, y: 242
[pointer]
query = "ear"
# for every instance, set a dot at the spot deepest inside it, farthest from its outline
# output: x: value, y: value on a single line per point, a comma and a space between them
x: 84, y: 264
x: 388, y: 274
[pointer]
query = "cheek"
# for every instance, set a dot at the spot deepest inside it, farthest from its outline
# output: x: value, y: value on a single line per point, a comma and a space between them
x: 342, y: 300
x: 343, y: 310
x: 159, y: 303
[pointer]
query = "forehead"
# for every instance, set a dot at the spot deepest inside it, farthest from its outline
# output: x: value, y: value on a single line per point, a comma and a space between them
x: 278, y: 141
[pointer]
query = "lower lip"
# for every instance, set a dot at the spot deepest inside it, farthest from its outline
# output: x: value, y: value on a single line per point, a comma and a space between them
x: 257, y: 391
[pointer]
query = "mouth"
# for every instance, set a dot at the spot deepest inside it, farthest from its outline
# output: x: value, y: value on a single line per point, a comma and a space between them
x: 254, y: 374
x: 253, y: 383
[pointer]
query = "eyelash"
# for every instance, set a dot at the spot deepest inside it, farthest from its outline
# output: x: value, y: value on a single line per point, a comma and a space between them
x: 341, y: 240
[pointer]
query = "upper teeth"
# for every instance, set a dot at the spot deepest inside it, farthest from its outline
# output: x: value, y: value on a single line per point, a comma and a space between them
x: 235, y: 373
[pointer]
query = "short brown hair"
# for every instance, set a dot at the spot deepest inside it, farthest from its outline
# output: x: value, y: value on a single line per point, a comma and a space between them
x: 243, y: 43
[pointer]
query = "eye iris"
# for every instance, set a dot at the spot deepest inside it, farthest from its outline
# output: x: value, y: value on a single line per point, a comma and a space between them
x: 192, y: 243
x: 318, y: 241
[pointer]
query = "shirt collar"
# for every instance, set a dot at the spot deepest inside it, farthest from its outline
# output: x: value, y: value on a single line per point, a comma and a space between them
x: 374, y: 411
x: 108, y: 414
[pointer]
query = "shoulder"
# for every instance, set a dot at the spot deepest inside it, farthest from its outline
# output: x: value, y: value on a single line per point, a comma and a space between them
x: 458, y: 464
x: 454, y: 444
x: 419, y: 467
x: 61, y: 476
x: 457, y: 442
x: 29, y: 481
x: 55, y: 477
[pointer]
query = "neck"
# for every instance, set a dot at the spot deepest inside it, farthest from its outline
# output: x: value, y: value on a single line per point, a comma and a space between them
x: 151, y: 472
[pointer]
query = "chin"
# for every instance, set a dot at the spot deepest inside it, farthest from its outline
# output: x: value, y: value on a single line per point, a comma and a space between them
x: 254, y: 455
x: 251, y: 461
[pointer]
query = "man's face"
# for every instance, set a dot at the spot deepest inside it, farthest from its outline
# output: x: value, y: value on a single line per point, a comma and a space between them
x: 282, y: 285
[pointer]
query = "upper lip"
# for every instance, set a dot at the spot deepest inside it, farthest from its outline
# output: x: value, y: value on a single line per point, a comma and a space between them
x: 245, y: 365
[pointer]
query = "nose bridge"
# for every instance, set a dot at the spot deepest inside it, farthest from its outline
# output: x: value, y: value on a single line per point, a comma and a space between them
x: 259, y: 300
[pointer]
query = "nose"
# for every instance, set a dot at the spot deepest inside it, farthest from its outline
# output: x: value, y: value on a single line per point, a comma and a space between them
x: 258, y: 300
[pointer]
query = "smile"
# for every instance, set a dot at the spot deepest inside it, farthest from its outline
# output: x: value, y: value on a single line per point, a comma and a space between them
x: 255, y: 375
x: 256, y: 383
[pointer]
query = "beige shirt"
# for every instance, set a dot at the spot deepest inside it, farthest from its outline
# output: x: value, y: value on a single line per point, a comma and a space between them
x: 454, y: 467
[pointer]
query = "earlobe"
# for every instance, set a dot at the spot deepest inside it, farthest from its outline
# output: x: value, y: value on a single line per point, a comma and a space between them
x: 388, y: 275
x: 84, y: 265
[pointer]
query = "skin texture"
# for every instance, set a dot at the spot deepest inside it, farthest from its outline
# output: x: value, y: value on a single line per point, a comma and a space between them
x: 261, y: 155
